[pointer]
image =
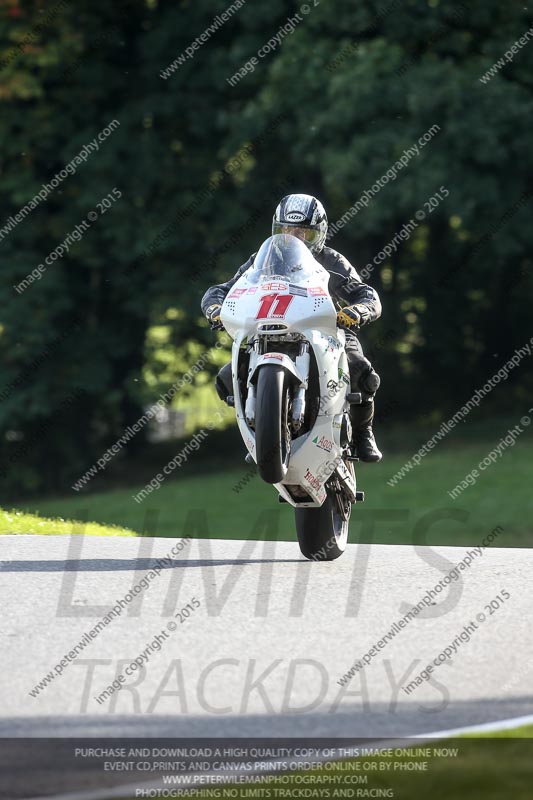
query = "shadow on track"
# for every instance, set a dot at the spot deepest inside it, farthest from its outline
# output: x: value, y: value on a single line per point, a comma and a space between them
x: 132, y: 565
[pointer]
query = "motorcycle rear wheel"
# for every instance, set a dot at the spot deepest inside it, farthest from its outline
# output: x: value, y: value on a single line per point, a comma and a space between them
x: 322, y: 532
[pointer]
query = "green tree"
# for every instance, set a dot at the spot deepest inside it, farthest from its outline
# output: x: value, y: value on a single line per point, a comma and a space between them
x: 200, y: 165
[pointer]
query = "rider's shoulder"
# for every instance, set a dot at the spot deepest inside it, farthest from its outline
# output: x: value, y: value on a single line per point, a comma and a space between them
x: 333, y: 260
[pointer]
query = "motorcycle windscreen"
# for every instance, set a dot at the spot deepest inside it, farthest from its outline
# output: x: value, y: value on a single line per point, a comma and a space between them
x: 284, y: 256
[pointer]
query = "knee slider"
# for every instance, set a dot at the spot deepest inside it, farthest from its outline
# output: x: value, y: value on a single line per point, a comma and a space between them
x: 370, y: 381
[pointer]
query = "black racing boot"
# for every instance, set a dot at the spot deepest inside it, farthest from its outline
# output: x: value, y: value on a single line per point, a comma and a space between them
x: 365, y: 445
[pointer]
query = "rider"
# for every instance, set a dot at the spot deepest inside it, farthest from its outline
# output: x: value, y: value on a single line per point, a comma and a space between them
x: 304, y: 216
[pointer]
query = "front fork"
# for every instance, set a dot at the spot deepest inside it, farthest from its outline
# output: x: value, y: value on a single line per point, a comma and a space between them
x: 256, y: 349
x: 303, y: 361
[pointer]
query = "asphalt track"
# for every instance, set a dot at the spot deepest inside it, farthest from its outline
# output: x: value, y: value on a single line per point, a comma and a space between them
x: 262, y: 654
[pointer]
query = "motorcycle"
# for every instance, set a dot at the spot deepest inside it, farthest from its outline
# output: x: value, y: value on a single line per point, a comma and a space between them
x: 291, y: 390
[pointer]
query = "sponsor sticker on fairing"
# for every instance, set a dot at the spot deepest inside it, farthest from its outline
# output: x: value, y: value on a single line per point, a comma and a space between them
x: 300, y: 291
x: 237, y: 293
x: 312, y: 480
x: 332, y: 344
x: 343, y: 376
x: 324, y: 443
x: 274, y: 286
x: 317, y: 291
x: 250, y: 444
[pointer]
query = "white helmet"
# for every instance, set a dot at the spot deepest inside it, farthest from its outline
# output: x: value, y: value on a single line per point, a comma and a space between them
x: 303, y: 216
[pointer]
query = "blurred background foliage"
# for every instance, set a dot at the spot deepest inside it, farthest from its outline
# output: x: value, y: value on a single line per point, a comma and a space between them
x: 327, y: 113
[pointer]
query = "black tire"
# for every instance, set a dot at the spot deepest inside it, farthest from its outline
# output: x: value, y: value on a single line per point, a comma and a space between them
x: 322, y: 532
x: 272, y: 438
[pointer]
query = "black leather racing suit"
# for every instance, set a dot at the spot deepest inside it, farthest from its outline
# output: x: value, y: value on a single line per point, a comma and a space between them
x: 346, y: 288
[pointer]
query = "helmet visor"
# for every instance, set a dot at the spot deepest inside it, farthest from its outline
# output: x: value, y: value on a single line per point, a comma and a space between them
x: 308, y: 235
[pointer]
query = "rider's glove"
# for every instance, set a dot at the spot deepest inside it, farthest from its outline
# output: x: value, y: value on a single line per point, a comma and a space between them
x: 349, y: 318
x: 213, y: 316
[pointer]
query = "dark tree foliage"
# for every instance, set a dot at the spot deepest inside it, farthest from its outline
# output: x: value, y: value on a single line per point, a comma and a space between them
x: 200, y: 164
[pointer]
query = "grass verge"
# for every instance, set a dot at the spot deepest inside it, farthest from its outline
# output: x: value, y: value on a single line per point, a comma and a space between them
x: 233, y: 503
x: 17, y: 522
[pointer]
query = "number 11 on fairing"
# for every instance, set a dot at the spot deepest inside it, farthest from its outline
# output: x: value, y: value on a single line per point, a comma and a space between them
x: 274, y: 306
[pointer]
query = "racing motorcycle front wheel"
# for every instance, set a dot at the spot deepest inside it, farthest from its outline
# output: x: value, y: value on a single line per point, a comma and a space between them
x: 272, y: 433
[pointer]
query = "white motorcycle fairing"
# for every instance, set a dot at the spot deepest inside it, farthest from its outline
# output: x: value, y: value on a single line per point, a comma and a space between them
x: 271, y: 311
